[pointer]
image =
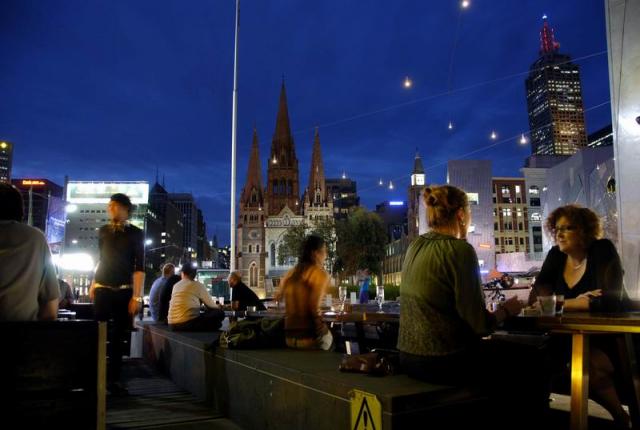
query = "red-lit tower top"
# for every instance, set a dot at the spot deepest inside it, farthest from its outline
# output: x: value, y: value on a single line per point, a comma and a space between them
x: 548, y: 42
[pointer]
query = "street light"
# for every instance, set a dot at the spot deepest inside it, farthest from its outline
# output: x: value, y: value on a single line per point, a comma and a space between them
x: 148, y: 242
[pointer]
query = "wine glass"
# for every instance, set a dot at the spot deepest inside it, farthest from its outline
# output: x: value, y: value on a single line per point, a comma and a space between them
x: 380, y: 297
x: 342, y: 295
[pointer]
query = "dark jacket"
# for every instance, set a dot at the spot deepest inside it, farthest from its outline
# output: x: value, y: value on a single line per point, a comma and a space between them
x: 603, y: 271
x: 246, y: 297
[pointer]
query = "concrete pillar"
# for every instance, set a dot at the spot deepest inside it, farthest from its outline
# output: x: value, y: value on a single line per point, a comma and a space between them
x: 623, y: 35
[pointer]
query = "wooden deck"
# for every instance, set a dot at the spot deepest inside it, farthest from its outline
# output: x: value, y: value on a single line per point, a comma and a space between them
x: 155, y: 402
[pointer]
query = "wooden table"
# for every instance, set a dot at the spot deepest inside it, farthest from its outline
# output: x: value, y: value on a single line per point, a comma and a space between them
x: 581, y: 326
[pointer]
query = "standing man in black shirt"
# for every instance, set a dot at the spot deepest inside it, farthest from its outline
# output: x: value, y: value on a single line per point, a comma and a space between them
x: 118, y: 283
x: 243, y: 294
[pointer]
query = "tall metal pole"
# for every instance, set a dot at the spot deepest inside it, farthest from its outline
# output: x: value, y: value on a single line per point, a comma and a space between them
x: 234, y: 124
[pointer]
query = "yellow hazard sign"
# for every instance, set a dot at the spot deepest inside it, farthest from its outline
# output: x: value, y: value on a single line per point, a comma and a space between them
x: 366, y: 412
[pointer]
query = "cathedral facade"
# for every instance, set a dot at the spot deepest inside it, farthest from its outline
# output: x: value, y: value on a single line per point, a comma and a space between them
x: 267, y: 212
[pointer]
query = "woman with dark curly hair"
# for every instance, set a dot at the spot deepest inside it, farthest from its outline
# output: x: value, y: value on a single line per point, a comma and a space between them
x: 587, y: 271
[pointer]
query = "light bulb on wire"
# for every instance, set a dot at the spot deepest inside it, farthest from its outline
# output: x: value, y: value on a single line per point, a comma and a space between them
x: 450, y: 127
x: 344, y: 175
x: 494, y: 135
x: 380, y: 182
x: 523, y: 140
x: 407, y: 83
x: 465, y: 4
x: 390, y: 185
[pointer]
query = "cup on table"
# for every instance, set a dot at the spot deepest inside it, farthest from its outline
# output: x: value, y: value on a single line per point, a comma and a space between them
x: 559, y: 304
x: 547, y: 305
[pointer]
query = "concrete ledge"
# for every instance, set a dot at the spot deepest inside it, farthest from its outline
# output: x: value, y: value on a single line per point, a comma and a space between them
x: 281, y: 388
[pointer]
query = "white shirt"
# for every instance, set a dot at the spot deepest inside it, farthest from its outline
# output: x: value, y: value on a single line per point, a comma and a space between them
x: 185, y: 301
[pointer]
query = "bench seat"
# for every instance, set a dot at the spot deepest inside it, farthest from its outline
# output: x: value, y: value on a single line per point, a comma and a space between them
x: 283, y: 388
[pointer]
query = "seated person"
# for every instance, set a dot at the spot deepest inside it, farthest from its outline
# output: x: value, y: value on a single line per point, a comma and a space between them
x: 302, y: 289
x: 165, y: 297
x: 242, y: 294
x: 587, y: 271
x: 184, y: 308
x: 158, y: 285
x: 29, y: 289
x: 444, y: 319
x: 66, y: 295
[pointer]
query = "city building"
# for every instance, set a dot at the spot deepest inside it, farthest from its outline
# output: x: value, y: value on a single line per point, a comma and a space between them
x: 344, y: 194
x: 602, y: 137
x: 318, y: 205
x: 251, y: 232
x: 202, y: 243
x: 6, y: 159
x: 394, y: 217
x: 187, y: 205
x: 535, y: 184
x: 510, y: 216
x: 554, y: 100
x: 475, y: 177
x: 588, y: 179
x: 38, y: 196
x: 268, y: 212
x: 403, y: 222
x: 165, y: 229
x: 416, y: 215
x: 86, y: 213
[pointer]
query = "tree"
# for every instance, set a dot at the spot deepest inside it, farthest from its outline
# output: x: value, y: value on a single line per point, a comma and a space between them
x: 291, y: 245
x: 361, y: 241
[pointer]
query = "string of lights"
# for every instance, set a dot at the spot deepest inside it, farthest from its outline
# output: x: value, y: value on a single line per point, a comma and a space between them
x: 521, y: 140
x: 438, y: 95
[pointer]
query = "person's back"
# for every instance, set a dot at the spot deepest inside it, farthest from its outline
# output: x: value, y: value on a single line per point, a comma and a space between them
x: 302, y: 298
x: 442, y: 303
x: 185, y: 301
x: 246, y: 297
x: 165, y: 297
x: 27, y: 275
x: 154, y: 297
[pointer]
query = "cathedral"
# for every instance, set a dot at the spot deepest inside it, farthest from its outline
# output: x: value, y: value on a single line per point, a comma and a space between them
x: 267, y: 212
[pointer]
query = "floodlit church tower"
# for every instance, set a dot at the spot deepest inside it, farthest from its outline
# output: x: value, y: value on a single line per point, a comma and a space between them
x: 282, y: 173
x: 317, y: 204
x: 251, y: 232
x: 415, y: 205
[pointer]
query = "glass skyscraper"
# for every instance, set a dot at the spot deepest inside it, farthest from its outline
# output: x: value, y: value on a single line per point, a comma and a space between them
x: 554, y: 100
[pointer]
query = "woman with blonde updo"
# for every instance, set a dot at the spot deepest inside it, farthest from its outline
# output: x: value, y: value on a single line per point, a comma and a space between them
x: 444, y: 318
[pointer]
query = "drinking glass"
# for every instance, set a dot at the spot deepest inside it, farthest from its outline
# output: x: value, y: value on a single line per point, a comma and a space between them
x: 559, y: 304
x: 342, y: 295
x: 380, y: 297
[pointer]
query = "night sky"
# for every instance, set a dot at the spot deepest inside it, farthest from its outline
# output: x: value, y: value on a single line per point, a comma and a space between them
x: 110, y: 90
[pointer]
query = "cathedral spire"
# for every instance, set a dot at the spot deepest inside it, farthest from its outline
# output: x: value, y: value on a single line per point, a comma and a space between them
x: 282, y: 173
x: 417, y: 164
x: 548, y: 42
x: 282, y: 143
x: 252, y: 191
x: 316, y: 189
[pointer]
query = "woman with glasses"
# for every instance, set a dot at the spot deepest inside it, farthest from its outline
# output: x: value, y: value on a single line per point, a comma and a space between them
x: 587, y: 271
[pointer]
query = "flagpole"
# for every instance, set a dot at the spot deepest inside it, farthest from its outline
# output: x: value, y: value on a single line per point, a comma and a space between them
x: 234, y: 125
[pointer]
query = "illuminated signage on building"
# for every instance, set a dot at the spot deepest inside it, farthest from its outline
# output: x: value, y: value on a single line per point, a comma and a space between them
x: 396, y: 203
x: 473, y: 198
x: 32, y: 182
x: 101, y: 192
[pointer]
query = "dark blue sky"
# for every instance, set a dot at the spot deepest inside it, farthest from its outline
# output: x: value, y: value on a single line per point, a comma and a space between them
x: 108, y: 90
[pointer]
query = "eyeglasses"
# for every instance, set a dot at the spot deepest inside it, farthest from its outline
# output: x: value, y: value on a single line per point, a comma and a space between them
x: 564, y: 229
